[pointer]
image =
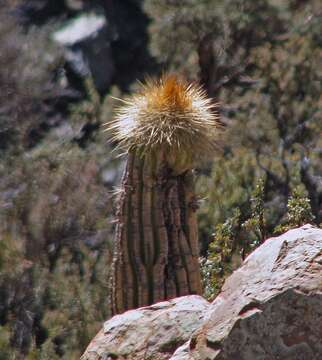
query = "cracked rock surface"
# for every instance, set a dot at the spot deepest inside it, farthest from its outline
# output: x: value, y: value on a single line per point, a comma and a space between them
x: 269, y: 309
x: 152, y: 332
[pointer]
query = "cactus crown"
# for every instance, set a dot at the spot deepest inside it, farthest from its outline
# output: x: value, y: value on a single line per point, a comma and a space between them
x: 170, y: 116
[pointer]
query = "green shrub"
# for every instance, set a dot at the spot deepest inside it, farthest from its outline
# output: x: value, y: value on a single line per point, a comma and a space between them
x: 299, y: 212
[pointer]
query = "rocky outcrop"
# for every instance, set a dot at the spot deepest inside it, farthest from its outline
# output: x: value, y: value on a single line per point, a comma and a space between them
x: 152, y: 332
x: 270, y: 308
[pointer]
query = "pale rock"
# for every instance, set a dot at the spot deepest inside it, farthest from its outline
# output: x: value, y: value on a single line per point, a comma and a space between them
x: 152, y: 332
x: 269, y: 309
x: 86, y: 40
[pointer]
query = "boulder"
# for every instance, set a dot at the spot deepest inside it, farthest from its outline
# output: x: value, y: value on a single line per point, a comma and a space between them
x: 86, y: 40
x: 269, y: 309
x: 152, y: 332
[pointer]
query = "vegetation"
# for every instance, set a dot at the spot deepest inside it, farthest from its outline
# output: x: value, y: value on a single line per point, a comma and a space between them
x: 260, y: 60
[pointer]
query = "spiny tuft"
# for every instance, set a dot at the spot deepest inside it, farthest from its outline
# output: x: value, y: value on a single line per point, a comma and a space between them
x: 169, y: 94
x: 170, y: 116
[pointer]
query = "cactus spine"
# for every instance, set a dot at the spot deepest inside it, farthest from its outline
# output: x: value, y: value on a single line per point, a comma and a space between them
x: 166, y: 130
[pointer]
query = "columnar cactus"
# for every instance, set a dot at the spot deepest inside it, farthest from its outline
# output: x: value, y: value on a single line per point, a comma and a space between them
x: 167, y: 129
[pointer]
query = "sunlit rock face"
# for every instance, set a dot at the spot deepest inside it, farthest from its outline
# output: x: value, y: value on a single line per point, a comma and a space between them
x: 152, y: 332
x: 270, y: 308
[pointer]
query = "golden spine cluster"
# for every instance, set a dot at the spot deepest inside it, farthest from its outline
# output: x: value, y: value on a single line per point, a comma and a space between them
x: 172, y: 116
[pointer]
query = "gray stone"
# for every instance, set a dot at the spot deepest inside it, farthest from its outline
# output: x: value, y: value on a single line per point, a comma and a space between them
x: 85, y: 26
x: 152, y: 332
x: 86, y: 40
x: 271, y: 308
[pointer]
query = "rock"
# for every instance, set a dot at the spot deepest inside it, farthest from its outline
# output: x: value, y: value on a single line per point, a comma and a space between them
x: 83, y: 27
x: 87, y: 42
x: 271, y: 308
x: 152, y: 332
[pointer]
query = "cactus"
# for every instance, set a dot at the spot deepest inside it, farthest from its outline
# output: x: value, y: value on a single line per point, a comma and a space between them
x: 167, y: 129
